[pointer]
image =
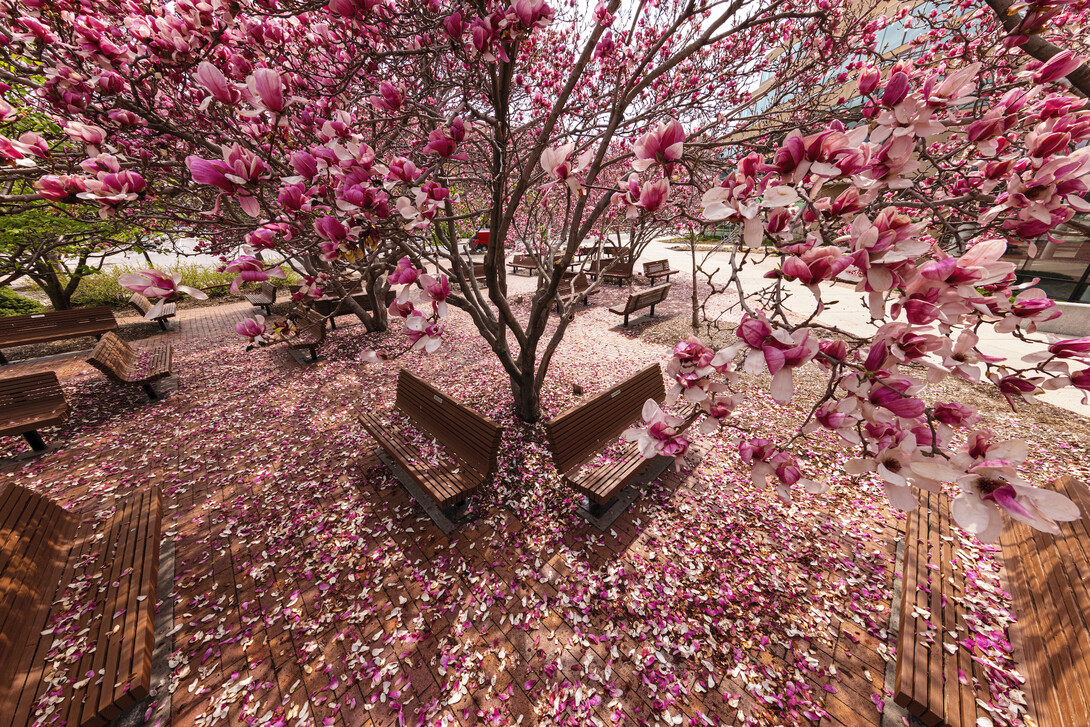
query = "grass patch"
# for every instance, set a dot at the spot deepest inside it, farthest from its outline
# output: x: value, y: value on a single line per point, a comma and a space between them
x: 13, y: 304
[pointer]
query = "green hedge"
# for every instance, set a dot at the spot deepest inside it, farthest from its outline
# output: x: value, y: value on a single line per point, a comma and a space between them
x: 13, y: 304
x: 102, y: 289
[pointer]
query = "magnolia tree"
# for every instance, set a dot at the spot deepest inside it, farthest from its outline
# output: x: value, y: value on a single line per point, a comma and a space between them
x: 360, y: 139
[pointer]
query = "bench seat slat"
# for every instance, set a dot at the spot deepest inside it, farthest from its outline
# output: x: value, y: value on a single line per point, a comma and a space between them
x: 443, y: 485
x: 109, y: 550
x: 1048, y: 581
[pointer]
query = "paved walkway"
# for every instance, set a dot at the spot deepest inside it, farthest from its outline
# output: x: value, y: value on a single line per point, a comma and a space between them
x: 310, y: 589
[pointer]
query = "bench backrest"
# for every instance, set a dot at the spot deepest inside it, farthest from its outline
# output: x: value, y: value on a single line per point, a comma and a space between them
x: 523, y: 260
x: 35, y: 536
x: 582, y: 430
x: 311, y: 324
x: 646, y: 298
x: 23, y: 396
x: 656, y: 266
x: 113, y: 357
x: 470, y: 438
x: 141, y: 303
x: 268, y: 289
x: 57, y: 324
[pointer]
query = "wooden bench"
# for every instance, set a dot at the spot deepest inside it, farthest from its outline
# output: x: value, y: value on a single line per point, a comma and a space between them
x: 577, y: 435
x: 121, y: 363
x: 43, y: 550
x: 264, y: 298
x: 471, y: 442
x: 658, y: 269
x: 55, y: 326
x: 28, y: 403
x: 932, y: 606
x: 310, y: 332
x: 644, y: 299
x: 612, y: 268
x: 1049, y: 578
x: 144, y: 305
x: 523, y: 262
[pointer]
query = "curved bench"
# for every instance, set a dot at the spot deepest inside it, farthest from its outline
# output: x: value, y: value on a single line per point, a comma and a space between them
x: 121, y: 363
x: 44, y: 549
x: 144, y: 305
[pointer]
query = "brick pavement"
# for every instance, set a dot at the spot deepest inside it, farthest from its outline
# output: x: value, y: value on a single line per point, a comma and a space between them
x: 310, y: 589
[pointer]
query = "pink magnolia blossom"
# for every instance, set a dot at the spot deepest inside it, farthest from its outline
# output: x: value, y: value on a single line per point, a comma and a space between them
x: 154, y: 284
x: 654, y: 194
x: 659, y: 435
x: 1058, y: 66
x: 424, y: 334
x: 663, y: 145
x: 253, y: 329
x: 60, y: 188
x: 248, y: 269
x: 777, y: 350
x: 389, y: 98
x: 330, y: 228
x: 216, y: 83
x: 266, y: 86
x: 404, y: 273
x: 435, y: 290
x: 557, y: 165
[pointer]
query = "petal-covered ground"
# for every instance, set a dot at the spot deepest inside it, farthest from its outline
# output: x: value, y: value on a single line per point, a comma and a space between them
x: 309, y: 588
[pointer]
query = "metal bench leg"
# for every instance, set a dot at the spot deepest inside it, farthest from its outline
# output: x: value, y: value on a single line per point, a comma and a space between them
x: 626, y: 320
x: 162, y: 323
x: 596, y: 509
x: 153, y: 395
x: 333, y: 321
x: 652, y: 313
x: 313, y: 354
x: 34, y: 440
x: 456, y: 511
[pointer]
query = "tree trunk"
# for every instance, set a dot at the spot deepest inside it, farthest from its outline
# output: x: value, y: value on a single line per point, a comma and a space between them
x: 527, y: 397
x: 696, y: 299
x: 59, y: 297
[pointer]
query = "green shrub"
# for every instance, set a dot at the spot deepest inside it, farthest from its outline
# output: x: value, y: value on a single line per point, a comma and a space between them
x: 102, y: 289
x: 13, y: 304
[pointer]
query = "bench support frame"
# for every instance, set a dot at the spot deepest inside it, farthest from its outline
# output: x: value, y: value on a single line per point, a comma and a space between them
x: 602, y: 516
x: 446, y: 519
x: 34, y: 440
x: 649, y: 315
